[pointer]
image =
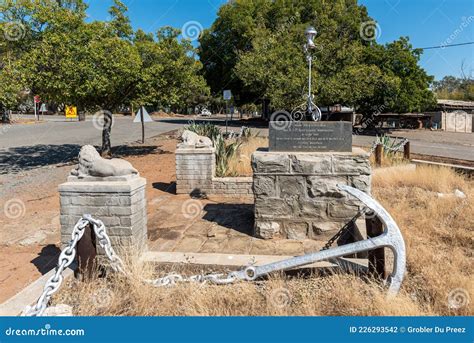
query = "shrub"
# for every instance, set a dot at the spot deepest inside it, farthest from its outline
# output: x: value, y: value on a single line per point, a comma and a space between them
x: 204, y: 129
x: 225, y: 153
x: 225, y: 149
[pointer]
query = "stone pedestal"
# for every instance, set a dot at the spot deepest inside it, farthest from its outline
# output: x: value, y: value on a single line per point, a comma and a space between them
x: 195, y: 169
x: 120, y: 202
x: 195, y: 175
x: 296, y: 194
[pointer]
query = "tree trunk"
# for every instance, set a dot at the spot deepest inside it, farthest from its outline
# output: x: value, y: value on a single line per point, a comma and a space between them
x: 106, y: 146
x: 6, y: 117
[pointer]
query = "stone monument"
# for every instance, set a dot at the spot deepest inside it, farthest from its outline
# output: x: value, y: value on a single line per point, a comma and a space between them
x: 295, y: 181
x: 109, y: 190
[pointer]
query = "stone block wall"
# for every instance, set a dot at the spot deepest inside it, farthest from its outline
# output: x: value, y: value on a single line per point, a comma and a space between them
x: 296, y: 194
x: 195, y: 174
x: 119, y: 202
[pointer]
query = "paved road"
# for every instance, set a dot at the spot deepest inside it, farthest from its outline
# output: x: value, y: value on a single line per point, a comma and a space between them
x: 424, y: 147
x: 63, y: 132
x: 27, y: 146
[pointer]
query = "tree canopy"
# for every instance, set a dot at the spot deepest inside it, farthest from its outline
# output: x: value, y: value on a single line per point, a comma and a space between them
x: 94, y: 65
x: 455, y: 88
x: 255, y: 49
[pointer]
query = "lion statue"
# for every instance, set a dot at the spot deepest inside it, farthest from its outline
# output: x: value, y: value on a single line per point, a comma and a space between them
x: 92, y: 164
x: 192, y: 139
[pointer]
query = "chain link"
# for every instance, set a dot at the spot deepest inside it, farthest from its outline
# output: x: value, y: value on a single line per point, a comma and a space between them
x: 344, y: 229
x: 68, y: 255
x: 65, y: 259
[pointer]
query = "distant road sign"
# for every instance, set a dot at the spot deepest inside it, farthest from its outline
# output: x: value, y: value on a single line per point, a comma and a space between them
x: 43, y: 108
x: 146, y: 116
x: 227, y: 94
x: 37, y: 99
x: 71, y: 112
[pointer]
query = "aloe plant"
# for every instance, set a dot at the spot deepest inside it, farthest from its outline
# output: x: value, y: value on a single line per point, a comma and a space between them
x: 225, y: 152
x: 204, y: 129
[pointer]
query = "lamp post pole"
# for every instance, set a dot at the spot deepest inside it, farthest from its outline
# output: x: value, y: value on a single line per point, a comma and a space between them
x: 312, y: 110
x: 310, y: 96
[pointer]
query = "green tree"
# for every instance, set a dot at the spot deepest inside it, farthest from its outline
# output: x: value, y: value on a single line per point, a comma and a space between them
x: 23, y: 24
x: 256, y: 49
x: 120, y: 22
x: 451, y: 87
x: 94, y: 65
x: 91, y: 65
x: 170, y: 75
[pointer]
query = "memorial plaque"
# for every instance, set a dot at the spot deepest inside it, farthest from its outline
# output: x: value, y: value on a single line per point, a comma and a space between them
x: 305, y: 136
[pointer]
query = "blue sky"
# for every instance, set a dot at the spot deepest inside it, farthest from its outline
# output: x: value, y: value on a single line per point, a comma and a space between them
x: 427, y: 23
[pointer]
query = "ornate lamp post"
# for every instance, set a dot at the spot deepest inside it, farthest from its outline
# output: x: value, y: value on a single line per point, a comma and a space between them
x: 312, y: 111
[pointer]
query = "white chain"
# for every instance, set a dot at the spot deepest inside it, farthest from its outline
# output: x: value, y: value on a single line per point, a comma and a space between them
x: 169, y: 280
x: 68, y: 255
x: 66, y: 258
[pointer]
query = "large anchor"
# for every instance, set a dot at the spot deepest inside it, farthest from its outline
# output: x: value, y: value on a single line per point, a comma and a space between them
x: 391, y: 238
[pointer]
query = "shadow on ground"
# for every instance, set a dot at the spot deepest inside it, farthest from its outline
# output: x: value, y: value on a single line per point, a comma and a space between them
x: 47, y: 259
x: 168, y: 187
x: 20, y: 159
x: 15, y: 160
x: 122, y: 151
x: 238, y: 217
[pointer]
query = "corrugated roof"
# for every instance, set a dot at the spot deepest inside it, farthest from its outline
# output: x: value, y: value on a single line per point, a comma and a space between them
x: 456, y: 103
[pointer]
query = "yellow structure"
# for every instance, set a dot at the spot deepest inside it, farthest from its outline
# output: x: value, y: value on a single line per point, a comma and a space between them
x: 71, y: 112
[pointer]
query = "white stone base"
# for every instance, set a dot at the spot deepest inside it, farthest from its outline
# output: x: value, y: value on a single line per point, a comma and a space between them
x: 119, y: 203
x: 195, y: 174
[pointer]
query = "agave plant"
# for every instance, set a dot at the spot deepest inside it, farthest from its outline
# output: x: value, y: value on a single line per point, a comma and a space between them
x: 204, y: 129
x: 225, y: 152
x: 391, y: 146
x: 247, y: 133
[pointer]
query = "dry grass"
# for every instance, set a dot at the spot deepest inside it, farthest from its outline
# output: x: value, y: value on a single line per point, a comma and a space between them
x: 439, y: 239
x: 438, y: 232
x: 241, y: 164
x: 389, y: 160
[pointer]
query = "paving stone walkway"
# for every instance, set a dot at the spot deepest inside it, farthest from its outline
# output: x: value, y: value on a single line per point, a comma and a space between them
x: 177, y: 223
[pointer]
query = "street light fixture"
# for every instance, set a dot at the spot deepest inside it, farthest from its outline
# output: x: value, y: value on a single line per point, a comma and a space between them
x: 310, y: 34
x: 312, y: 110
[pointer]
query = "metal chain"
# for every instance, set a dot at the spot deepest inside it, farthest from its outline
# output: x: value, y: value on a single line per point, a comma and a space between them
x: 117, y: 263
x: 66, y: 258
x: 104, y: 241
x: 343, y: 230
x: 68, y: 255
